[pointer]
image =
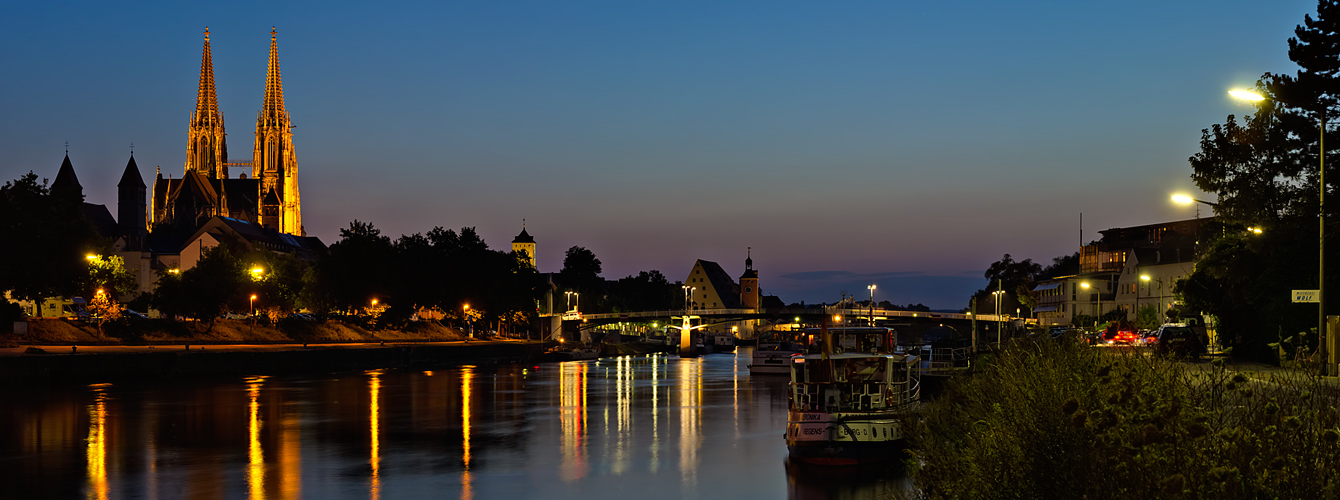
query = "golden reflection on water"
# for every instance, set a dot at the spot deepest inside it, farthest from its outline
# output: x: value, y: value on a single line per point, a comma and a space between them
x: 624, y: 408
x: 572, y: 420
x: 690, y: 418
x: 655, y: 415
x: 290, y: 458
x: 255, y: 454
x: 374, y: 428
x: 467, y: 377
x: 96, y: 450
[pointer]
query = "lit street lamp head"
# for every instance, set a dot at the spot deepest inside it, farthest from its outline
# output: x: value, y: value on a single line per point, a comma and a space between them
x: 1247, y: 95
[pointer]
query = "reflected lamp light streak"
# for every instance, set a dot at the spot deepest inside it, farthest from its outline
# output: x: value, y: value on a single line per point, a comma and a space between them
x: 572, y: 420
x: 374, y: 428
x: 655, y: 463
x: 255, y: 455
x: 96, y: 451
x: 467, y: 378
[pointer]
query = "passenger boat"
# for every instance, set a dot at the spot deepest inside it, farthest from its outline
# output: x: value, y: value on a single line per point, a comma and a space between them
x: 774, y: 358
x: 848, y: 408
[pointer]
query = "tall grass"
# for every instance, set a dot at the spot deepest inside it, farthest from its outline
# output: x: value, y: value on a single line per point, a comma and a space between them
x: 1061, y: 420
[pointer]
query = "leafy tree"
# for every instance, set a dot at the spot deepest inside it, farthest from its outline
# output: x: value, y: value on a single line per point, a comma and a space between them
x: 1264, y: 170
x: 212, y: 285
x: 46, y: 238
x: 108, y: 272
x: 648, y: 291
x: 356, y: 269
x: 103, y: 308
x: 1065, y: 265
x: 581, y: 272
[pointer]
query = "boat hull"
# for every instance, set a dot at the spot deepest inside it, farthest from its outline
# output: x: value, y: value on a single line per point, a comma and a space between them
x: 844, y: 438
x: 846, y: 453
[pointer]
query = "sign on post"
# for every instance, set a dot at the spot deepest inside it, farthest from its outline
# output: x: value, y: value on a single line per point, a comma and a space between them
x: 1305, y: 296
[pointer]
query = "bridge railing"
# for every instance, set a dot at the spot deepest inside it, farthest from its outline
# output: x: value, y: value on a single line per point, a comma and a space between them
x: 853, y: 315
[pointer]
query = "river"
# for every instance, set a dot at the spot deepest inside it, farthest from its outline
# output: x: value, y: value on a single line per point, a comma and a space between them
x: 633, y: 427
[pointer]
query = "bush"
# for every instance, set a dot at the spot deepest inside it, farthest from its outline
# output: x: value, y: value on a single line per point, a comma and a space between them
x: 1059, y: 420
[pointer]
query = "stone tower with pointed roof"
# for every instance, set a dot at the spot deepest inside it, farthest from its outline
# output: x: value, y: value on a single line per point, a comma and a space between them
x: 525, y: 243
x: 131, y: 213
x: 66, y: 180
x: 206, y: 144
x: 273, y: 160
x: 749, y: 293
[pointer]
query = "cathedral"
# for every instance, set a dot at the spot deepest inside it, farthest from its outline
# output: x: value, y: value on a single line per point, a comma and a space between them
x: 267, y: 195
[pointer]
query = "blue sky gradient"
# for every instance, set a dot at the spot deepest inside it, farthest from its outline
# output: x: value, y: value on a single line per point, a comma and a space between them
x: 906, y: 143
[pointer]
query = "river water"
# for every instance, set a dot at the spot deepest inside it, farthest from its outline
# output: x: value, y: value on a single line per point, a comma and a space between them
x: 634, y: 427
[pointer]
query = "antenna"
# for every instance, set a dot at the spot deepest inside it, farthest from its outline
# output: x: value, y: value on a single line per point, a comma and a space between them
x: 132, y: 148
x: 67, y: 147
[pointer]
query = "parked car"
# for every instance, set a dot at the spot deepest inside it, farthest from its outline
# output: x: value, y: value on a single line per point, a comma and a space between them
x: 132, y: 315
x: 1180, y: 340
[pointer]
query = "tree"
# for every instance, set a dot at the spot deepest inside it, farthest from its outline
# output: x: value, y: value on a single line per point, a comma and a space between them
x: 581, y: 272
x: 212, y: 285
x: 46, y: 240
x: 108, y: 272
x: 356, y: 269
x: 103, y: 308
x: 1264, y: 170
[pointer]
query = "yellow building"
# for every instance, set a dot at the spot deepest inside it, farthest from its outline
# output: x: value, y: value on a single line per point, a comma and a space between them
x: 525, y: 243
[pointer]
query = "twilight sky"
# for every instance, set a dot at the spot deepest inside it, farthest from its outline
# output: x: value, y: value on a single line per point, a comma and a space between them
x: 907, y: 144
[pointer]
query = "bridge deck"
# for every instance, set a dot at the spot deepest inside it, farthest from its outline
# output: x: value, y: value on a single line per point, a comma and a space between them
x: 855, y: 314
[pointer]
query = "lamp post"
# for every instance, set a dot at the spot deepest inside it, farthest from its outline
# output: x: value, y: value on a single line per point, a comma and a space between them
x: 466, y: 310
x: 1144, y: 278
x: 1099, y: 313
x: 1247, y: 95
x: 872, y: 303
x: 568, y: 297
x: 998, y: 294
x: 253, y: 308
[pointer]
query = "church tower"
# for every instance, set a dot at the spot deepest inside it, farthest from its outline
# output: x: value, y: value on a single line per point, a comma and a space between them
x: 273, y: 160
x: 131, y: 213
x: 206, y: 145
x: 749, y: 283
x: 525, y: 243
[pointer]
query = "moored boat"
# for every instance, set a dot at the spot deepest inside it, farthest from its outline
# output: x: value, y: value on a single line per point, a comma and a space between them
x: 774, y: 358
x: 848, y: 409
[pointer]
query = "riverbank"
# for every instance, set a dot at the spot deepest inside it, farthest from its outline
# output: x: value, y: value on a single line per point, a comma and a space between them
x: 147, y: 332
x: 112, y: 362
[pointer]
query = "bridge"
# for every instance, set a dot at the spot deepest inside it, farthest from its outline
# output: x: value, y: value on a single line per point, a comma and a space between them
x: 851, y: 315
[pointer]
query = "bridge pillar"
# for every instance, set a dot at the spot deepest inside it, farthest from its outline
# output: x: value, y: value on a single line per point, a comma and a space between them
x: 686, y: 340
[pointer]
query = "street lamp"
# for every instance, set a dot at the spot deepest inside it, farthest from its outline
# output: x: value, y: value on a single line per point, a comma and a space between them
x: 998, y: 295
x: 256, y: 273
x: 688, y: 295
x: 1146, y: 279
x: 1085, y: 285
x: 253, y: 306
x: 466, y: 310
x: 1250, y: 96
x: 872, y: 303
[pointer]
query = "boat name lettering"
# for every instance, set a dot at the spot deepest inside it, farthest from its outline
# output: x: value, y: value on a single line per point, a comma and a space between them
x: 813, y: 417
x: 810, y: 431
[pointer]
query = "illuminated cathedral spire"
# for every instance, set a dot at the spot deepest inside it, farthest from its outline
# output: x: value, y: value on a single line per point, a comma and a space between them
x: 273, y: 160
x: 206, y: 146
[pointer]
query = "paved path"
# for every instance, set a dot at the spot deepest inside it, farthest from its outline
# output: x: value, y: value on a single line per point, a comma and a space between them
x: 239, y: 347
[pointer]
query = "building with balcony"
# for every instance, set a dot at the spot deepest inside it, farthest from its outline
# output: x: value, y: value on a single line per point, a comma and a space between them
x: 1128, y: 268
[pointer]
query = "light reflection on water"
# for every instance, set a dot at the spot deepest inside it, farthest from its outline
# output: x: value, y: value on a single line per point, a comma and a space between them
x: 650, y: 426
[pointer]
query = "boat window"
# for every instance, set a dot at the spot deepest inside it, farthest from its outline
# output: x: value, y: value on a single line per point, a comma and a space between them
x: 863, y: 370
